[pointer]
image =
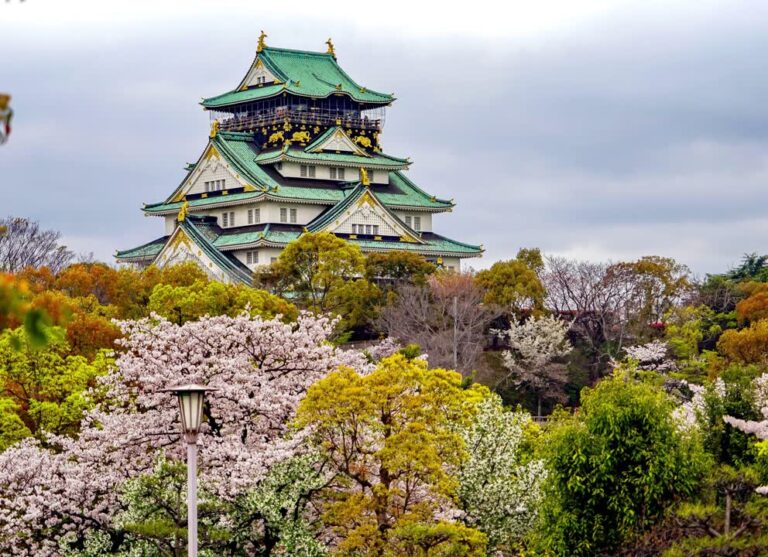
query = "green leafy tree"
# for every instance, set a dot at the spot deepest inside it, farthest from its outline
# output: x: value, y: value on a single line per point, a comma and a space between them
x: 390, y: 440
x: 398, y: 267
x: 752, y: 267
x: 515, y: 284
x: 180, y: 304
x: 325, y: 274
x: 615, y: 467
x: 43, y: 389
x: 267, y: 521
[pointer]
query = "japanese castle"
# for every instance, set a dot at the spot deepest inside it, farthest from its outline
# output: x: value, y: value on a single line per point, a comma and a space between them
x: 294, y: 148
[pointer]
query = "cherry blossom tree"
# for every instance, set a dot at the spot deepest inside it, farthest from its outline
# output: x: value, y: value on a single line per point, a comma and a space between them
x: 536, y: 345
x: 260, y: 368
x: 652, y: 356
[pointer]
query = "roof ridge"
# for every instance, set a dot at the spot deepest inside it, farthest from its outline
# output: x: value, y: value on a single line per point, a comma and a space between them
x: 295, y: 51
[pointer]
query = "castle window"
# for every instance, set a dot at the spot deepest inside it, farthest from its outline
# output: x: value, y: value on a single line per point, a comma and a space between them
x: 254, y: 216
x: 337, y: 173
x: 283, y: 214
x: 417, y: 223
x: 228, y: 219
x: 252, y: 257
x: 307, y: 171
x: 293, y: 216
x: 408, y: 220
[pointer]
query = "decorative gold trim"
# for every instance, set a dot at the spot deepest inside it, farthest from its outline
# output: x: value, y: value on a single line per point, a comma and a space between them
x: 214, y: 129
x: 262, y: 41
x: 364, y: 177
x: 331, y: 50
x: 183, y: 212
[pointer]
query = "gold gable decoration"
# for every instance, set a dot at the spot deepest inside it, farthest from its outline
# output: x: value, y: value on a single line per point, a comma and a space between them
x: 364, y: 179
x: 214, y: 129
x: 331, y: 49
x: 181, y: 217
x: 262, y: 43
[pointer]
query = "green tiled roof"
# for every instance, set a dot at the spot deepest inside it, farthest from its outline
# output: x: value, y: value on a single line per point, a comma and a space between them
x: 145, y: 251
x: 402, y: 192
x: 433, y: 244
x: 309, y: 74
x: 282, y: 235
x: 385, y: 162
x: 266, y: 234
x: 203, y: 234
x: 240, y: 152
x: 322, y: 220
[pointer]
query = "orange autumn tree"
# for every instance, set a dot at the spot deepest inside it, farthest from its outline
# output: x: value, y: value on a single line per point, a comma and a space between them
x: 746, y: 346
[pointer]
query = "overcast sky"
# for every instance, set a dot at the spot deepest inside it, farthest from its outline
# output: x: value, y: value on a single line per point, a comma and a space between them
x: 592, y: 129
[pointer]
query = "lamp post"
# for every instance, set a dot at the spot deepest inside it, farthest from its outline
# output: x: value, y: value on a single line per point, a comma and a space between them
x: 191, y: 399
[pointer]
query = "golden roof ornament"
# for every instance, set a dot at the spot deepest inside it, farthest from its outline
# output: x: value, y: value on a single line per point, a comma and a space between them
x: 364, y: 177
x: 331, y: 50
x: 181, y: 217
x: 261, y: 44
x: 214, y: 129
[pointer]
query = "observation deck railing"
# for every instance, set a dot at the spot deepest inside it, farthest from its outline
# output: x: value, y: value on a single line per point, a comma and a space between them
x: 321, y: 117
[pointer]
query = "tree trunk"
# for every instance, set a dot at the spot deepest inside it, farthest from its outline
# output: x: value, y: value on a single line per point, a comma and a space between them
x: 538, y: 406
x: 727, y: 526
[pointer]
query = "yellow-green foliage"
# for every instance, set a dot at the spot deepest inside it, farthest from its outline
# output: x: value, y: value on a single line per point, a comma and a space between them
x: 186, y: 303
x: 43, y: 389
x: 515, y: 284
x: 391, y: 438
x: 323, y: 273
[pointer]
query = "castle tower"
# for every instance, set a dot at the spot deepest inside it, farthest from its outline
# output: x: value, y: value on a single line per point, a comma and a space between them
x: 295, y: 147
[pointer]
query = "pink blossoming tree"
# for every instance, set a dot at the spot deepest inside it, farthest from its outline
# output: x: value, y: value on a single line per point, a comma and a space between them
x: 54, y: 501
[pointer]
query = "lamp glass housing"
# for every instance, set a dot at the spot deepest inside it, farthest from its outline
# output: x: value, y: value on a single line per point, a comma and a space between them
x: 191, y: 407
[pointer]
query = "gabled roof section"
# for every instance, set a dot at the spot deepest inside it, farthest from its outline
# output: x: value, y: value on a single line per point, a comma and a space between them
x: 335, y: 140
x: 298, y: 155
x: 303, y: 73
x: 203, y: 232
x: 236, y: 150
x: 193, y: 238
x: 358, y: 197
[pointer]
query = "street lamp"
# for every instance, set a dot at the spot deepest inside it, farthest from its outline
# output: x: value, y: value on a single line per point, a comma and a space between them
x: 191, y: 399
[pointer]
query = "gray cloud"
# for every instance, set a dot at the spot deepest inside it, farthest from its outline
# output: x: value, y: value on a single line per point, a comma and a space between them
x: 633, y: 134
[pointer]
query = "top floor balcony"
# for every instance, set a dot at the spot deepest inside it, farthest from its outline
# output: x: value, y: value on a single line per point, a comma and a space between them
x: 249, y: 118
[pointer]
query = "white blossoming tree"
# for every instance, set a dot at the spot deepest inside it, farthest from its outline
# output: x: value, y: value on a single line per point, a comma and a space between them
x: 500, y: 489
x: 71, y: 494
x: 758, y: 429
x: 536, y: 345
x: 652, y: 356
